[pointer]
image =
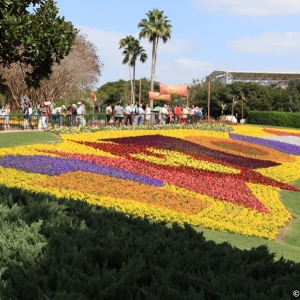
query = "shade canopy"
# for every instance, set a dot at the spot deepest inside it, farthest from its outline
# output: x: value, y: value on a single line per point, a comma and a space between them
x: 157, y: 108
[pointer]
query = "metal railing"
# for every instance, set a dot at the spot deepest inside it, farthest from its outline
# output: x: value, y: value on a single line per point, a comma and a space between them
x: 100, y: 119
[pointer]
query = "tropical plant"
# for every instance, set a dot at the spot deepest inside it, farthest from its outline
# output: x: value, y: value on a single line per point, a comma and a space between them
x: 155, y: 27
x: 138, y: 52
x: 132, y: 50
x: 127, y: 44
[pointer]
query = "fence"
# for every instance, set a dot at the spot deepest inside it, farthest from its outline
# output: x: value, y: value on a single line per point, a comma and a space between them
x: 99, y: 119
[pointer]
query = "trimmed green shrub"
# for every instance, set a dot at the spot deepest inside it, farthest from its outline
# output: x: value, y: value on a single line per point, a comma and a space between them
x: 87, y: 252
x: 274, y: 118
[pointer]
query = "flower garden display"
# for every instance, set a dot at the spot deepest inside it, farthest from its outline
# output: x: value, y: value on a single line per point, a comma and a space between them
x: 213, y: 179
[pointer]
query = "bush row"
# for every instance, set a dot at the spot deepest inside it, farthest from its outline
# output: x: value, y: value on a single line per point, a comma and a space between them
x: 63, y: 249
x: 274, y: 118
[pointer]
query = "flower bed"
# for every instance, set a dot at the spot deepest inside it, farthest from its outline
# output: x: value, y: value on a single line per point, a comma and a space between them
x: 200, y: 177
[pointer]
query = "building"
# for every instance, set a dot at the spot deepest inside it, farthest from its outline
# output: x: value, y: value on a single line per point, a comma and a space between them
x: 227, y: 77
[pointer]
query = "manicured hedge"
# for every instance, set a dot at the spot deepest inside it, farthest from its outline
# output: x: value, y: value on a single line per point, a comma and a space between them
x: 274, y: 118
x: 62, y: 249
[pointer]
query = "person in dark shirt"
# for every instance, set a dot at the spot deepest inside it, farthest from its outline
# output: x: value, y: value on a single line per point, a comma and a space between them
x: 26, y: 116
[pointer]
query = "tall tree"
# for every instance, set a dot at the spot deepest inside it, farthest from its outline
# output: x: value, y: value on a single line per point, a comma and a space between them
x: 128, y: 44
x: 78, y: 71
x: 156, y: 27
x: 33, y: 36
x: 138, y: 52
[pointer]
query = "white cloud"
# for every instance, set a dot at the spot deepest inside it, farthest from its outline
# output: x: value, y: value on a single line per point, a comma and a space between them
x: 182, y: 71
x: 268, y: 42
x: 107, y: 43
x: 171, y: 46
x: 250, y: 7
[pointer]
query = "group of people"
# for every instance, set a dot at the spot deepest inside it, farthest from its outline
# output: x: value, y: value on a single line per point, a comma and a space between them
x: 75, y: 115
x: 130, y: 115
x: 187, y: 114
x: 138, y: 114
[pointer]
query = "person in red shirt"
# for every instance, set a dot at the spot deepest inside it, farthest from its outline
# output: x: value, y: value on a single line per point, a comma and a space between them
x: 177, y: 113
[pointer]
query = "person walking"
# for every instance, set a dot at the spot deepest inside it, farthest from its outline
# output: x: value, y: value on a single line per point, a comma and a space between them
x: 26, y: 116
x: 73, y: 115
x: 84, y: 113
x: 48, y: 114
x: 30, y: 116
x: 108, y: 112
x: 119, y: 114
x: 164, y: 114
x: 79, y: 113
x: 177, y: 113
x: 147, y: 114
x: 6, y: 113
x: 43, y: 114
x: 184, y: 115
x: 199, y: 114
x: 191, y: 115
x: 128, y: 115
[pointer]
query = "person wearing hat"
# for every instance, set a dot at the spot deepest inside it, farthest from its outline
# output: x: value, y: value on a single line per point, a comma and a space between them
x: 80, y: 112
x: 58, y: 113
x: 84, y: 112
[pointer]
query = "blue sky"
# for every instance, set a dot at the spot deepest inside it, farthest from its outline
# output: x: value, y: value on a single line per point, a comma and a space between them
x: 207, y: 35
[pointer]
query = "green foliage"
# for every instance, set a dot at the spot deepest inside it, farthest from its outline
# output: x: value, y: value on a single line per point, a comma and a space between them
x: 259, y: 97
x: 156, y: 26
x: 120, y: 91
x: 36, y: 40
x: 87, y: 252
x: 274, y: 118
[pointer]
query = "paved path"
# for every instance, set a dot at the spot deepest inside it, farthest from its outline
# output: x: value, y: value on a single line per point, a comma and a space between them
x: 18, y: 130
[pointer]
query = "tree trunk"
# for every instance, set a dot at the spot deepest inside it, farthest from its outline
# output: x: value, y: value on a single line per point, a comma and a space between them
x: 132, y: 97
x: 133, y: 85
x: 154, y: 49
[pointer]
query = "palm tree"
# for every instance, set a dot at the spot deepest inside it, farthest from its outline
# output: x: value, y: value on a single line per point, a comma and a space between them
x: 155, y: 27
x: 138, y: 51
x: 132, y: 50
x: 128, y: 43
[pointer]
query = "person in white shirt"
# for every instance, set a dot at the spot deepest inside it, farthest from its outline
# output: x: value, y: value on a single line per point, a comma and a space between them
x: 79, y: 114
x: 30, y: 116
x: 164, y: 113
x: 108, y: 112
x: 191, y: 114
x: 119, y: 113
x: 57, y: 113
x: 128, y: 113
x: 147, y: 114
x: 5, y: 113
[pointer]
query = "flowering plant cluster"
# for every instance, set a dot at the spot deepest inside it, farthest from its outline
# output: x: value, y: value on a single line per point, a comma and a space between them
x: 211, y: 179
x: 216, y: 126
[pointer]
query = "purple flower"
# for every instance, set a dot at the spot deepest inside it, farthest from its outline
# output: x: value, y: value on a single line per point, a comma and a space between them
x: 280, y: 146
x: 57, y: 165
x: 176, y: 144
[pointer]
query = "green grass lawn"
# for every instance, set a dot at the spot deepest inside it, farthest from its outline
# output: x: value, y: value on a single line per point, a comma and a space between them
x: 288, y: 245
x: 13, y: 139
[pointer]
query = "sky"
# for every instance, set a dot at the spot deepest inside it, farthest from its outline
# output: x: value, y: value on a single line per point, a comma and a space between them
x: 207, y: 35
